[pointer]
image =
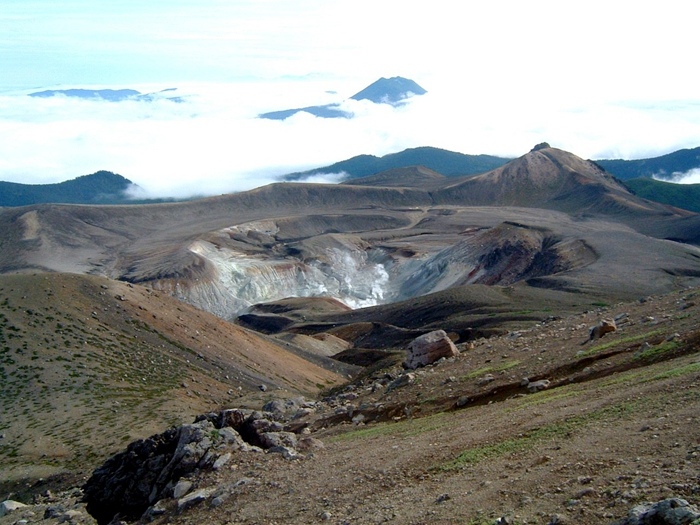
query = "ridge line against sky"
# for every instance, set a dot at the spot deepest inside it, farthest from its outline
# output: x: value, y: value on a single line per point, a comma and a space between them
x: 600, y: 79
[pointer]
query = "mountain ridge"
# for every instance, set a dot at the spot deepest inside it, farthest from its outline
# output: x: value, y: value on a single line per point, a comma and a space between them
x: 444, y: 162
x: 101, y: 187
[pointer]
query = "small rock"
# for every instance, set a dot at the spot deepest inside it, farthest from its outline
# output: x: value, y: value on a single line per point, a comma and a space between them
x: 8, y: 506
x: 71, y: 515
x: 53, y: 511
x: 309, y: 443
x: 278, y: 439
x: 442, y: 498
x: 462, y: 401
x: 286, y: 452
x: 221, y: 461
x: 157, y: 509
x: 402, y: 380
x: 485, y: 380
x: 536, y: 386
x: 585, y: 492
x: 183, y: 487
x: 359, y: 418
x: 192, y: 499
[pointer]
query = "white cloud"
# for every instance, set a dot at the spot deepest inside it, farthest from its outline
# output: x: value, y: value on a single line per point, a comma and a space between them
x: 326, y: 178
x: 689, y: 177
x: 213, y: 143
x: 594, y: 78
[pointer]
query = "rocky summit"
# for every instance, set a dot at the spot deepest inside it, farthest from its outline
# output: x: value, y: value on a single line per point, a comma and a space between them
x: 519, y: 346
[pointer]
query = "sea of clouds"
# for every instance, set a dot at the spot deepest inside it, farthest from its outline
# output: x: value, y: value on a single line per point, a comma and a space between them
x: 210, y: 140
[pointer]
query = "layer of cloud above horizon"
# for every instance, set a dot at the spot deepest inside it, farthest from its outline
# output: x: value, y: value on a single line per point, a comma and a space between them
x: 596, y: 78
x: 212, y: 141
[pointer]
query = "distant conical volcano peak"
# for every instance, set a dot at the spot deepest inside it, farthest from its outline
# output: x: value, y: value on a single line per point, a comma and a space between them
x: 393, y: 91
x: 389, y: 90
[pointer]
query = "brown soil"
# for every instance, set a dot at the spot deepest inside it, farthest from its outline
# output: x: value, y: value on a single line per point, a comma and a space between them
x: 617, y: 426
x: 466, y: 442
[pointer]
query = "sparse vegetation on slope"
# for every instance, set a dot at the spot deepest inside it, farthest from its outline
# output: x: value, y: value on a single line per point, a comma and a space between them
x: 90, y: 364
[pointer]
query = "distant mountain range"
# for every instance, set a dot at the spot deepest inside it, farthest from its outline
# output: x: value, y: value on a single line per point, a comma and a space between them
x: 393, y: 91
x: 110, y: 95
x: 448, y: 163
x: 105, y: 187
x: 636, y: 174
x: 453, y: 164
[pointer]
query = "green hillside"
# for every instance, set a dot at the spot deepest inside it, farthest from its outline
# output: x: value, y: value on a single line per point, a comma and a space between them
x: 677, y: 162
x: 686, y: 196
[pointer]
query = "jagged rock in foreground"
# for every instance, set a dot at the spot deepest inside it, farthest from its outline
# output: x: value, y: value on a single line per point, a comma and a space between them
x: 150, y: 469
x: 428, y: 348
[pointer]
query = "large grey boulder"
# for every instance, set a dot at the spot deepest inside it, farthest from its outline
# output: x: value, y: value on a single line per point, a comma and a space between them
x: 428, y: 348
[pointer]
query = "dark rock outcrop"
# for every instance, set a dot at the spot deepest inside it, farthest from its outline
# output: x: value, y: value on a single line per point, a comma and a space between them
x: 149, y: 469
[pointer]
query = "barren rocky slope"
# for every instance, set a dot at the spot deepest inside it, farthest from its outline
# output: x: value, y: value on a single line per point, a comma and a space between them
x: 368, y: 245
x: 529, y: 427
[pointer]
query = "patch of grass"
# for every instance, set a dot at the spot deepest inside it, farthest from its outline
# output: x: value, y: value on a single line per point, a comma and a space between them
x: 490, y: 369
x: 545, y: 396
x: 678, y: 371
x: 656, y: 352
x: 630, y: 339
x: 405, y: 428
x: 644, y: 376
x: 531, y: 438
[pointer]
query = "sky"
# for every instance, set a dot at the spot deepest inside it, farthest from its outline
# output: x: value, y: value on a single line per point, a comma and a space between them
x: 611, y: 79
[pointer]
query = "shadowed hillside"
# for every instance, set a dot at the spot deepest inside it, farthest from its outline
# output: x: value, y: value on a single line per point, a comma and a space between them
x: 102, y: 187
x: 664, y: 166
